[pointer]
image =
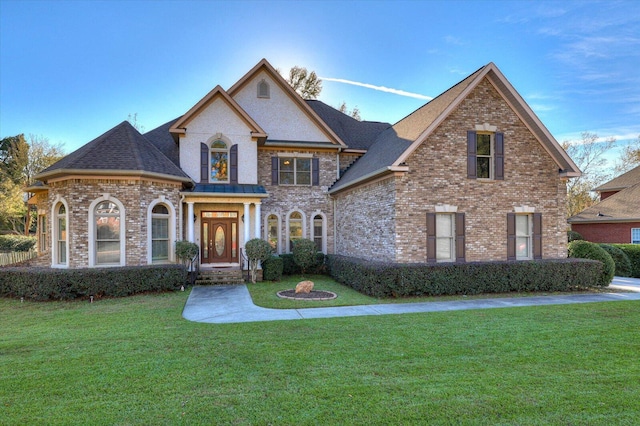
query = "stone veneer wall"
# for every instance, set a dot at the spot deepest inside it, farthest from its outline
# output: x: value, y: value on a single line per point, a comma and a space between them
x: 438, y: 175
x: 135, y: 194
x: 308, y: 200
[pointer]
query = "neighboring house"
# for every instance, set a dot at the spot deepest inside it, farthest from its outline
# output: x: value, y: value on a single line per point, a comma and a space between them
x: 616, y: 218
x: 473, y: 175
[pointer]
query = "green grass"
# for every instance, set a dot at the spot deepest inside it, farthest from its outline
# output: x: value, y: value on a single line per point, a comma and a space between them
x: 135, y: 361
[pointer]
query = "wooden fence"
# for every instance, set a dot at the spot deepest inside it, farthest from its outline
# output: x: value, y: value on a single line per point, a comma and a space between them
x: 16, y: 256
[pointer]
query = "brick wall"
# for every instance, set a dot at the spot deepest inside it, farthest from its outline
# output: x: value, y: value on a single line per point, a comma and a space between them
x: 308, y: 200
x: 614, y: 233
x: 134, y: 194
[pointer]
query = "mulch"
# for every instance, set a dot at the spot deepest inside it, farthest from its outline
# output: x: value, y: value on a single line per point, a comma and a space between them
x: 313, y: 295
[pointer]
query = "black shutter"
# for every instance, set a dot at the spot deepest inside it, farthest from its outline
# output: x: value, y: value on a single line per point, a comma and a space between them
x: 204, y: 163
x: 460, y: 254
x: 315, y: 171
x: 499, y: 156
x: 274, y: 170
x: 472, y: 147
x: 537, y: 235
x: 511, y: 236
x: 233, y: 163
x: 431, y: 237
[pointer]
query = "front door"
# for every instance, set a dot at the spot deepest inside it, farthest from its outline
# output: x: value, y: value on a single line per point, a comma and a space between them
x: 219, y: 237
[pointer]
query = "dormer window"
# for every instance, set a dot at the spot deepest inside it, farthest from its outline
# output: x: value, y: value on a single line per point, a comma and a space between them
x: 263, y: 89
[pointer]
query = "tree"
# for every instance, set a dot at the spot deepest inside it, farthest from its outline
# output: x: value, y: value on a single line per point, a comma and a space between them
x: 630, y: 157
x: 13, y: 208
x: 588, y: 154
x: 354, y: 113
x: 14, y: 157
x: 308, y: 85
x: 42, y: 154
x: 133, y: 120
x: 258, y: 250
x: 304, y: 254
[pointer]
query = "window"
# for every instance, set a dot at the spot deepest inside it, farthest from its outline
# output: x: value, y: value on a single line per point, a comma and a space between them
x: 524, y: 236
x: 524, y: 232
x: 219, y: 170
x: 295, y: 227
x: 42, y: 233
x: 159, y: 233
x: 107, y: 233
x: 485, y: 155
x: 61, y: 236
x: 263, y: 89
x: 273, y: 231
x: 303, y: 171
x: 318, y: 232
x: 445, y: 233
x: 635, y: 235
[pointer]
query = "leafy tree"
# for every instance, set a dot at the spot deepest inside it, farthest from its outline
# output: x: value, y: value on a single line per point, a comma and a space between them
x: 42, y: 154
x: 588, y: 154
x: 14, y: 157
x: 13, y: 208
x: 354, y: 113
x: 308, y: 85
x: 630, y: 157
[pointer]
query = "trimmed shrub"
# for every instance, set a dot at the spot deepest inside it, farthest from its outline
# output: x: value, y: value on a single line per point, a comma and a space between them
x: 633, y: 253
x: 17, y: 243
x: 573, y: 236
x: 42, y: 284
x: 272, y: 268
x: 381, y: 279
x: 290, y: 267
x: 620, y: 259
x: 586, y: 250
x: 304, y: 254
x: 258, y: 250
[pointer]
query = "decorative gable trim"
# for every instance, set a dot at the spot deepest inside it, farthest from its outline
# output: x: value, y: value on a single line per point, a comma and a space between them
x: 180, y: 126
x: 264, y: 65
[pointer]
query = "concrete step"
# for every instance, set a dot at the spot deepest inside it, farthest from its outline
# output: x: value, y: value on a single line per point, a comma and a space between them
x: 222, y: 276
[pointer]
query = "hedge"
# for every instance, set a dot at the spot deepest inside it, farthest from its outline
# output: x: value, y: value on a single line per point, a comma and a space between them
x: 290, y: 267
x: 16, y: 243
x: 620, y: 259
x: 587, y: 250
x: 633, y: 253
x: 41, y: 284
x: 381, y: 279
x: 272, y: 268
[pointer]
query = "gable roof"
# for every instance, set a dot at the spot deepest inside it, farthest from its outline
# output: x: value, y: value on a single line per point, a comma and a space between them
x: 393, y: 146
x: 621, y: 182
x: 119, y: 151
x: 265, y: 66
x: 358, y: 135
x: 179, y: 127
x: 623, y: 206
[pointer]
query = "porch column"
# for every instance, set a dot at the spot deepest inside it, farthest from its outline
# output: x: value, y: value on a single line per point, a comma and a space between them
x: 190, y: 234
x: 247, y: 223
x: 257, y: 222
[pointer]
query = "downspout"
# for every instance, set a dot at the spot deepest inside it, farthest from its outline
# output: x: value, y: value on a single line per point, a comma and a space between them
x: 181, y: 227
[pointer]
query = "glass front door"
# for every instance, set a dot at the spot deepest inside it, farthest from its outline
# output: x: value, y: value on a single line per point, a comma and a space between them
x: 219, y: 242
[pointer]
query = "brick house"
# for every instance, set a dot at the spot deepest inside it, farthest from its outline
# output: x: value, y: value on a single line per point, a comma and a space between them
x: 473, y: 175
x: 616, y: 218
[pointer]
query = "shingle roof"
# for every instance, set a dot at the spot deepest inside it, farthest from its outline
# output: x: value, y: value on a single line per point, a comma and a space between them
x: 121, y: 149
x: 163, y: 140
x: 623, y: 181
x: 356, y: 134
x: 621, y: 206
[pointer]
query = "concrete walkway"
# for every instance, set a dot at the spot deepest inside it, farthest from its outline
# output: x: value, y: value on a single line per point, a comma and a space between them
x: 233, y: 304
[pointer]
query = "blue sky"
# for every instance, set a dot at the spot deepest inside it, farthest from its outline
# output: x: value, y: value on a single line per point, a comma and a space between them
x: 71, y: 70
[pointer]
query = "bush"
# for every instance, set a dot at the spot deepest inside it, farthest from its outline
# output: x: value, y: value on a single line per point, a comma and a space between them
x: 633, y: 253
x: 43, y: 284
x: 258, y: 250
x: 304, y: 254
x: 17, y: 243
x: 272, y: 268
x: 381, y: 279
x: 620, y: 259
x: 290, y: 267
x: 573, y: 236
x: 586, y: 250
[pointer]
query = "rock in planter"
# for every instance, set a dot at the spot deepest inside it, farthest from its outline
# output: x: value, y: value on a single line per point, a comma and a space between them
x: 304, y: 287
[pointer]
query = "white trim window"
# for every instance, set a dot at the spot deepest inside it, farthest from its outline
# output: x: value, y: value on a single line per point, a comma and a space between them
x: 61, y: 235
x: 635, y: 235
x: 106, y: 232
x: 272, y: 225
x: 319, y: 231
x: 160, y: 233
x: 445, y: 237
x: 484, y: 155
x: 295, y: 229
x: 295, y: 171
x: 524, y: 235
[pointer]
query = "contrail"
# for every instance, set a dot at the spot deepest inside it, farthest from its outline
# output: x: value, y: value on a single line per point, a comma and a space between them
x: 379, y: 88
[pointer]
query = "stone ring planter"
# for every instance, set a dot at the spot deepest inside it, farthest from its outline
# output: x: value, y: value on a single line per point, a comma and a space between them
x: 313, y: 295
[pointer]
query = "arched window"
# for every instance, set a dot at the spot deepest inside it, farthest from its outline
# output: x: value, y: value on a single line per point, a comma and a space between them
x: 263, y: 89
x: 295, y: 227
x: 219, y: 170
x: 61, y: 235
x: 273, y: 232
x: 160, y: 233
x: 318, y: 232
x: 107, y: 222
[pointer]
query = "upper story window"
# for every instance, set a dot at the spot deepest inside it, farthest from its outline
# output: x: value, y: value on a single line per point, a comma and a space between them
x: 302, y: 171
x: 263, y: 89
x: 219, y: 170
x: 485, y: 155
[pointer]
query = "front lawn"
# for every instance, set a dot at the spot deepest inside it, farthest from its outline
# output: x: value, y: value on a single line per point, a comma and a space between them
x: 136, y: 361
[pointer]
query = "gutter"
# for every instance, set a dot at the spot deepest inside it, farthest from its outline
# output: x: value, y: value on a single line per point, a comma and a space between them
x: 369, y: 176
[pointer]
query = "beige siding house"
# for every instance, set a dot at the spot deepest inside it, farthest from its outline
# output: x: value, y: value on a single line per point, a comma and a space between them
x: 473, y: 175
